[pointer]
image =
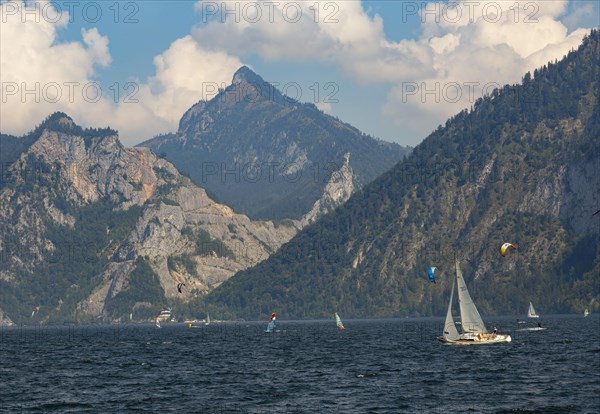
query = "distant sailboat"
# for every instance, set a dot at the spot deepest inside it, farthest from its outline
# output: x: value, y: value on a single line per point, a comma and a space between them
x: 158, y: 323
x: 473, y: 329
x: 272, y: 325
x: 207, y: 319
x: 586, y: 312
x: 338, y: 322
x: 531, y: 312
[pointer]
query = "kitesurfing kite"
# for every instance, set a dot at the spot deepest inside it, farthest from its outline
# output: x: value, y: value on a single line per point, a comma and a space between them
x: 432, y: 272
x: 505, y: 246
x: 179, y: 286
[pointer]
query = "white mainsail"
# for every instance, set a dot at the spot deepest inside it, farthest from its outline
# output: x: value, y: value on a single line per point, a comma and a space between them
x: 338, y: 322
x: 450, y: 331
x: 531, y: 312
x: 469, y: 315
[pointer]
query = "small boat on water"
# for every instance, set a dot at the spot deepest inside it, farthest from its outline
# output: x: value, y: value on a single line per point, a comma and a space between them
x: 473, y: 329
x: 165, y: 316
x: 338, y: 322
x: 207, y: 319
x: 586, y: 312
x: 539, y: 327
x: 272, y: 324
x: 531, y: 312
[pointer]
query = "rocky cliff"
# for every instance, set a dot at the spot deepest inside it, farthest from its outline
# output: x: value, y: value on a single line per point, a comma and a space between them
x: 81, y: 216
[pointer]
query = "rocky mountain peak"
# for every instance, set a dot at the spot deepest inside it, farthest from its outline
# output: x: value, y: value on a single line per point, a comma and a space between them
x: 58, y: 118
x: 268, y: 155
x: 245, y: 74
x: 249, y: 87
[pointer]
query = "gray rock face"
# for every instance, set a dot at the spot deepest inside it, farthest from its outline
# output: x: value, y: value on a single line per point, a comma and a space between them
x: 5, y: 320
x: 337, y: 191
x: 176, y: 218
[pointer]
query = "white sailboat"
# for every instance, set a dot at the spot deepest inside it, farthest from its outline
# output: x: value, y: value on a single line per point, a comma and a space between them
x: 586, y: 312
x: 338, y: 322
x: 531, y: 312
x: 473, y: 329
x: 207, y: 319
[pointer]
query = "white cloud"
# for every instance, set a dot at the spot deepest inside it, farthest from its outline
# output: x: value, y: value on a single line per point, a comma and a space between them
x: 474, y: 47
x: 325, y: 107
x: 331, y: 32
x: 97, y: 46
x: 186, y: 73
x: 41, y: 75
x: 476, y: 54
x: 38, y: 75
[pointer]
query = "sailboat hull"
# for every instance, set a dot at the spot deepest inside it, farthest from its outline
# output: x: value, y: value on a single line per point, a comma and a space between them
x: 486, y: 339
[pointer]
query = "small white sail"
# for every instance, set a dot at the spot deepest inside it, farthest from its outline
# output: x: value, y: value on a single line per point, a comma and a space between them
x: 586, y: 312
x: 531, y: 312
x: 207, y: 319
x: 338, y: 322
x: 450, y: 331
x: 469, y: 315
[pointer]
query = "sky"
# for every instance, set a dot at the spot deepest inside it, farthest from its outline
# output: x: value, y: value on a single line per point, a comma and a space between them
x: 394, y: 69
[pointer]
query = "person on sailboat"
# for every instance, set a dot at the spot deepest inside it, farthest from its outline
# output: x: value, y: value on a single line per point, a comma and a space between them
x: 494, y: 332
x: 539, y: 324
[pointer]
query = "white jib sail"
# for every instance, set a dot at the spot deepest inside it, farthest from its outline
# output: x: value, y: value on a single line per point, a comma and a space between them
x: 531, y: 313
x: 450, y: 332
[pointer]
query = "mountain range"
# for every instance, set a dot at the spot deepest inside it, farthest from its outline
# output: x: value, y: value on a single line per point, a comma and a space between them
x: 271, y: 157
x: 93, y: 231
x: 521, y: 166
x: 90, y: 229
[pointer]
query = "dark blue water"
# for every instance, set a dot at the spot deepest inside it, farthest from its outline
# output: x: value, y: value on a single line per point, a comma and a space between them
x: 382, y: 366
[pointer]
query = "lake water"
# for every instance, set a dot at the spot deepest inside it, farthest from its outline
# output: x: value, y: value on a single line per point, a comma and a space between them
x: 378, y: 366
